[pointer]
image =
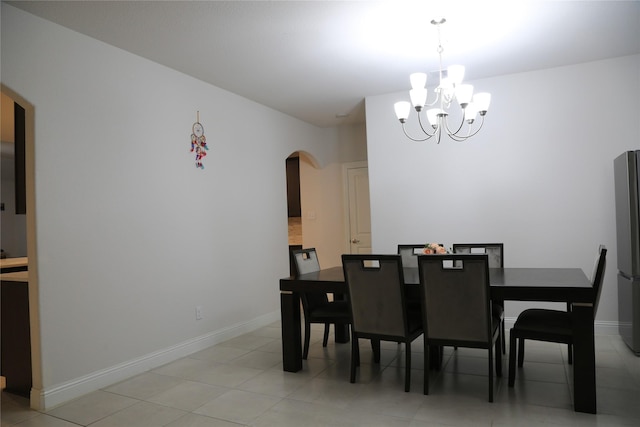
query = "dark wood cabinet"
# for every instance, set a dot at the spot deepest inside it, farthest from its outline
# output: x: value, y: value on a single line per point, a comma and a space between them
x: 15, y: 344
x: 20, y: 159
x: 293, y: 187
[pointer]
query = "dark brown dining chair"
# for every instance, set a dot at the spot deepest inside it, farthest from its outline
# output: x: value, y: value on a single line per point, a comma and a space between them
x: 550, y: 325
x: 378, y: 307
x: 409, y: 254
x: 457, y: 308
x: 495, y: 252
x: 316, y: 306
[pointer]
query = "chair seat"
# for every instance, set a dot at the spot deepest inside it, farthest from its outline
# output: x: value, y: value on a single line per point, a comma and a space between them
x: 544, y: 321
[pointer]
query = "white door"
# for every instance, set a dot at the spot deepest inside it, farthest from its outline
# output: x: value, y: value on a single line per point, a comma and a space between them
x: 359, y: 215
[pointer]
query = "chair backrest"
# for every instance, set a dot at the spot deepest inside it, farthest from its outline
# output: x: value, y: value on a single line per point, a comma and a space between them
x: 376, y: 294
x: 292, y: 261
x: 598, y: 276
x: 495, y: 251
x: 456, y: 297
x: 409, y: 254
x: 306, y: 260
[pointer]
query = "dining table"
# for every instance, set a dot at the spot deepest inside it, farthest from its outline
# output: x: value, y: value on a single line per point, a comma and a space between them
x: 569, y: 285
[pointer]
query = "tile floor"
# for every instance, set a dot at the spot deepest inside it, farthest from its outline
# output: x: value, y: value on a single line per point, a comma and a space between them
x: 241, y: 383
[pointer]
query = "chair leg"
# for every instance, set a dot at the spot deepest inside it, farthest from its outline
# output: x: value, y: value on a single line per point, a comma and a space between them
x: 357, y: 353
x: 375, y: 347
x: 407, y: 367
x: 491, y: 372
x: 307, y: 334
x: 325, y: 340
x: 355, y: 358
x: 512, y: 359
x: 570, y: 352
x: 503, y: 338
x: 426, y: 368
x: 521, y: 353
x: 498, y: 359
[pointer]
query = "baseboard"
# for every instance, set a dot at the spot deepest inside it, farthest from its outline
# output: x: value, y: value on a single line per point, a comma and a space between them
x: 606, y: 328
x: 55, y: 395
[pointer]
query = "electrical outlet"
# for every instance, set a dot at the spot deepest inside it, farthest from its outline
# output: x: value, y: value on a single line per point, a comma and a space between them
x: 199, y: 312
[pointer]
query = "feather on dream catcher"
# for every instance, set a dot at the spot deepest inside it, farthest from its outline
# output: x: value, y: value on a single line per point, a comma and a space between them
x: 198, y: 141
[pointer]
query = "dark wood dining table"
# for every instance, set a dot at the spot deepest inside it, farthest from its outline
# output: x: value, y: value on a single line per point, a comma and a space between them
x: 507, y: 284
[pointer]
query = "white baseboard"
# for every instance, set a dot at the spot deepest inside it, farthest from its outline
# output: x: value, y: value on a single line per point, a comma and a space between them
x: 55, y: 395
x: 606, y: 328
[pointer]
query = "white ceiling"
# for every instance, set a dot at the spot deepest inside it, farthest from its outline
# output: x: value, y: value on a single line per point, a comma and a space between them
x: 316, y: 60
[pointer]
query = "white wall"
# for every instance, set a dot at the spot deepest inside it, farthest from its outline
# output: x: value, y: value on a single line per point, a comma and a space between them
x: 131, y: 237
x: 538, y: 177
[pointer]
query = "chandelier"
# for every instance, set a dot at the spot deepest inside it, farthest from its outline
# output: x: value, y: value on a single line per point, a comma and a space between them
x: 450, y: 87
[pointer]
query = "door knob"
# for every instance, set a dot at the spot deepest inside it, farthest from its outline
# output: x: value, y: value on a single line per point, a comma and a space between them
x: 355, y: 241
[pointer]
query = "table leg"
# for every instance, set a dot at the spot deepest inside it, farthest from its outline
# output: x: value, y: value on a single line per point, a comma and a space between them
x: 291, y: 332
x: 342, y: 330
x: 584, y: 359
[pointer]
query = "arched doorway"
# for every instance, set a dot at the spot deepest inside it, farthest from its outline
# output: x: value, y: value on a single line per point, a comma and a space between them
x: 25, y: 189
x: 294, y: 207
x: 323, y: 214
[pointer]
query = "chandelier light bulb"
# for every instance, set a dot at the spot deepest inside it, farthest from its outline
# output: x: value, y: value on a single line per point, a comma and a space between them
x: 470, y: 113
x: 402, y: 110
x: 464, y: 94
x: 418, y: 80
x: 482, y: 101
x: 433, y: 114
x: 418, y: 98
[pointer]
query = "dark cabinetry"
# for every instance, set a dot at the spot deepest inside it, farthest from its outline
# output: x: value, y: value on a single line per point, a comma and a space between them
x: 15, y: 346
x: 293, y: 187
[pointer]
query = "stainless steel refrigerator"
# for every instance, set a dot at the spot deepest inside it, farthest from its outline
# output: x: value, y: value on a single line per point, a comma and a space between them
x: 627, y: 188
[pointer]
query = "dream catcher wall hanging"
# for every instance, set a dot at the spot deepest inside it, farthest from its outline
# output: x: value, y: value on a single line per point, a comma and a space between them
x: 198, y: 141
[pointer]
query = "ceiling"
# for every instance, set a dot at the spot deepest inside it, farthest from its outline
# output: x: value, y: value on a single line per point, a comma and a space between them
x: 318, y: 60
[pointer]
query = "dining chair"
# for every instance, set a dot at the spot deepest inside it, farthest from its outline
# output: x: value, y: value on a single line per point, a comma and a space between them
x: 409, y: 254
x: 378, y: 307
x: 316, y: 306
x: 542, y: 324
x: 495, y: 252
x: 456, y: 300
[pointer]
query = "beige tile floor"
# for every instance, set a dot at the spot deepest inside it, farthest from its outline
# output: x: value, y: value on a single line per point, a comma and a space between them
x: 241, y: 383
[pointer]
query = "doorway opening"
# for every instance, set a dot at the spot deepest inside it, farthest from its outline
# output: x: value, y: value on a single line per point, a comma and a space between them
x: 294, y: 208
x: 21, y: 377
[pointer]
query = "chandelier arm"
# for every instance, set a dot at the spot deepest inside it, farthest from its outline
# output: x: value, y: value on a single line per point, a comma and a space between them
x: 412, y: 138
x: 459, y: 138
x: 477, y: 130
x: 459, y: 127
x: 435, y: 101
x: 429, y: 135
